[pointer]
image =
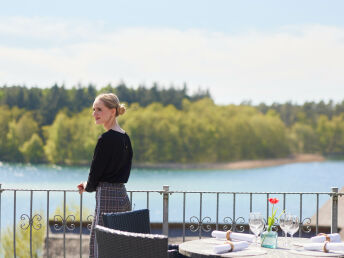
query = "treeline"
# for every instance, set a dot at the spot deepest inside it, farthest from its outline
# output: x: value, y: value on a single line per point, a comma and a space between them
x: 195, y: 131
x: 307, y: 113
x: 198, y: 132
x: 46, y: 103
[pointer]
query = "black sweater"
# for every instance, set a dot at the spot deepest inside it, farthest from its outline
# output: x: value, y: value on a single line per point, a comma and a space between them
x: 111, y: 160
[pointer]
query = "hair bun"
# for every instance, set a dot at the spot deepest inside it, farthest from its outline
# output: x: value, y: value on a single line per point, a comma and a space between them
x: 121, y: 109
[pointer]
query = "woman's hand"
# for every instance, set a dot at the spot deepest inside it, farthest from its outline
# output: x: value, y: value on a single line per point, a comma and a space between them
x: 82, y: 187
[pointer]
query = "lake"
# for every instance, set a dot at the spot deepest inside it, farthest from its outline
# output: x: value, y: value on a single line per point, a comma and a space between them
x: 298, y: 177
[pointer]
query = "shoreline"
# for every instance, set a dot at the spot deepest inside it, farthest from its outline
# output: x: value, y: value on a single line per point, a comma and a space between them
x: 244, y: 164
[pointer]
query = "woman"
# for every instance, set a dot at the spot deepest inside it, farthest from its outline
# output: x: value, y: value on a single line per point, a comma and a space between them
x: 111, y: 163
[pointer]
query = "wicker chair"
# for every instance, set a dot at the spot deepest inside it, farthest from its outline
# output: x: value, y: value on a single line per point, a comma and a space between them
x: 120, y: 244
x: 132, y: 221
x: 135, y: 221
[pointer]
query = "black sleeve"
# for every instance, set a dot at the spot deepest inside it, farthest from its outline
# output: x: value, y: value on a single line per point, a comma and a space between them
x: 101, y: 158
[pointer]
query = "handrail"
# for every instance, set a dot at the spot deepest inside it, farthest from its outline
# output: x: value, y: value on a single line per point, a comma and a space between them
x: 198, y: 223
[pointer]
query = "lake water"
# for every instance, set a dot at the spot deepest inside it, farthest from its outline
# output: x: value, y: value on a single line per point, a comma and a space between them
x: 299, y: 177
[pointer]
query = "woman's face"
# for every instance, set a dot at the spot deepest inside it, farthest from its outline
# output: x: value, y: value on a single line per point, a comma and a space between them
x: 102, y: 114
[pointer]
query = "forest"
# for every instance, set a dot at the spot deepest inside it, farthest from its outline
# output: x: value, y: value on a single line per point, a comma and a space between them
x: 55, y: 125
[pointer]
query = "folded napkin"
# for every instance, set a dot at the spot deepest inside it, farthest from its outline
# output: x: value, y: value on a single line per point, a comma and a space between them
x: 230, y: 247
x: 326, y: 237
x: 325, y: 247
x: 229, y: 235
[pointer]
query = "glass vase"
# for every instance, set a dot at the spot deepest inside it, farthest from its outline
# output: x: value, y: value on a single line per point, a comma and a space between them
x: 269, y: 239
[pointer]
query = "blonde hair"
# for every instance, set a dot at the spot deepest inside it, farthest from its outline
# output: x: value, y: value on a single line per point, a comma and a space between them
x: 111, y: 101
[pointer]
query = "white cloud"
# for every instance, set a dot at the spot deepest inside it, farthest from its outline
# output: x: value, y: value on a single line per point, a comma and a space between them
x: 46, y: 28
x: 297, y: 63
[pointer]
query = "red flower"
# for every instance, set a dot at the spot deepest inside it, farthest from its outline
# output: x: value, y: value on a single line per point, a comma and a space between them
x: 271, y: 219
x: 273, y: 200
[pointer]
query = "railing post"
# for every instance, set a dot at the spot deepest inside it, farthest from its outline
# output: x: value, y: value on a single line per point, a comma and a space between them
x: 166, y: 189
x: 334, y: 210
x: 0, y: 216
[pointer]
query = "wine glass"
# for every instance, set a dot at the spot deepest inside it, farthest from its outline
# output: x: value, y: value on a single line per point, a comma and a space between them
x: 256, y: 223
x: 293, y: 223
x: 283, y: 222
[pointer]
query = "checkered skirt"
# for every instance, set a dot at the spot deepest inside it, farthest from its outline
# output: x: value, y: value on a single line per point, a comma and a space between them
x: 110, y: 197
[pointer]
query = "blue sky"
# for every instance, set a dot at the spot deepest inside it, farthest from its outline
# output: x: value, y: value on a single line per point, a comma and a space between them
x: 264, y: 51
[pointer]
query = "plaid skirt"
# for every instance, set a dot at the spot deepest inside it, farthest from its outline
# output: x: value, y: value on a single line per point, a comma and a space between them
x: 110, y: 197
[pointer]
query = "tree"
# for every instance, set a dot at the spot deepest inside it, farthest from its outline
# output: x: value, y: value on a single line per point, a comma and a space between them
x: 331, y: 134
x: 33, y: 150
x: 18, y: 133
x: 59, y: 138
x: 84, y: 135
x: 304, y: 138
x: 5, y: 119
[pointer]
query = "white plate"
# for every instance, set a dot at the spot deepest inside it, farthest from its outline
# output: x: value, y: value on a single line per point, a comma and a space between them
x: 299, y: 244
x: 245, y: 252
x: 317, y: 253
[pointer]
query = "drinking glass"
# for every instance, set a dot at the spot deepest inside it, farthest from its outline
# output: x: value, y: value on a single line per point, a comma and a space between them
x: 284, y: 221
x: 256, y: 223
x: 293, y: 225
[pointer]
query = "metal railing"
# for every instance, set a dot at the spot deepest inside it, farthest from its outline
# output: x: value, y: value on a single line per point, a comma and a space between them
x: 197, y: 224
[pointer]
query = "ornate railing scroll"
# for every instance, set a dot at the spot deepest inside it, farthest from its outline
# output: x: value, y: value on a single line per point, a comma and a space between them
x: 200, y: 224
x: 305, y: 225
x: 58, y: 219
x: 30, y: 221
x: 232, y: 225
x: 89, y: 220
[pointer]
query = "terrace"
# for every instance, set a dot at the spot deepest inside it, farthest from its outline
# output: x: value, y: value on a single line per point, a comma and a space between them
x: 65, y: 236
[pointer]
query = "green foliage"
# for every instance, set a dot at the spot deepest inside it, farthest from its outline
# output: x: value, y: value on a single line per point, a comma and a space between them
x: 203, y: 132
x: 71, y: 140
x: 308, y: 113
x: 23, y: 241
x: 22, y: 129
x: 38, y: 235
x: 331, y: 134
x: 33, y: 149
x: 47, y: 103
x: 5, y: 118
x: 17, y: 127
x: 84, y: 134
x: 165, y: 125
x: 304, y: 139
x: 58, y: 139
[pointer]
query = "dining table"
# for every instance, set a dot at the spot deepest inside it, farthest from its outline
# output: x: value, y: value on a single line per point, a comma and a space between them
x: 203, y: 248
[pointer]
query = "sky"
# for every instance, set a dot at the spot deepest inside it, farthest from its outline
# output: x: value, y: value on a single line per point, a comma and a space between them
x: 257, y: 50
